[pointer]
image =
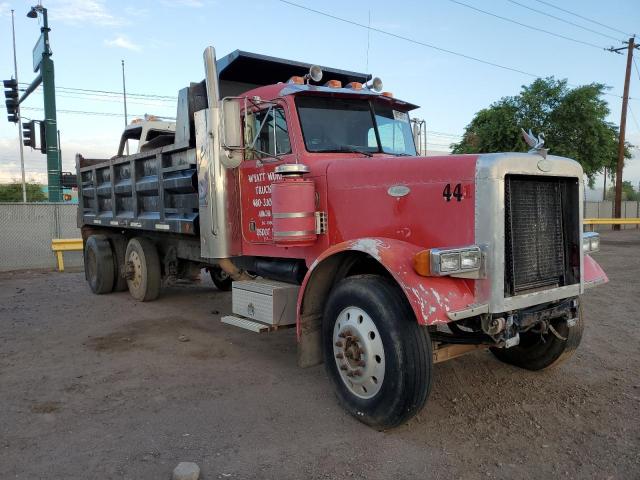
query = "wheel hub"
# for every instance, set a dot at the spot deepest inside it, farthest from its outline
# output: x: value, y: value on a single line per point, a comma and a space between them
x: 358, y: 352
x: 134, y: 269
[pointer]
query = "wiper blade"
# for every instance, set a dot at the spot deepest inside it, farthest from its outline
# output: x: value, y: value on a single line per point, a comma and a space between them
x: 346, y: 150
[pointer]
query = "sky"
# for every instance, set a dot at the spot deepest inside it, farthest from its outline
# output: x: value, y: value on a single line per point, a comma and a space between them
x: 162, y: 42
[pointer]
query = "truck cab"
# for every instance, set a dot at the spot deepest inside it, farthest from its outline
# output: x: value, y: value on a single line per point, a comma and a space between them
x: 144, y: 134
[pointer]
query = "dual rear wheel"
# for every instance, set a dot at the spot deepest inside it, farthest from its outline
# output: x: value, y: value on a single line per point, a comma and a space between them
x: 115, y: 265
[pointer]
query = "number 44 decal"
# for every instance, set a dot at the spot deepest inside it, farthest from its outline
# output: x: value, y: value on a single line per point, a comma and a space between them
x: 457, y: 192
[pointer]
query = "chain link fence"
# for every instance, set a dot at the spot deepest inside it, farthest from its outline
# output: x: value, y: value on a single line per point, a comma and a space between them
x: 26, y: 230
x: 605, y: 210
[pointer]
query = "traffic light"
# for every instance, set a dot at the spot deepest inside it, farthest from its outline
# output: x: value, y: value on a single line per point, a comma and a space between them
x: 29, y: 134
x: 11, y: 99
x: 43, y: 137
x: 69, y: 180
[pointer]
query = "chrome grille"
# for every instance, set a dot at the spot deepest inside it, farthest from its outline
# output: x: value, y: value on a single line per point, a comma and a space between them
x: 534, y: 234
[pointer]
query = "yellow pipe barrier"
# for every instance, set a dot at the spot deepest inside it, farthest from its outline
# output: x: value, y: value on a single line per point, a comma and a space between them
x: 60, y: 245
x: 611, y: 221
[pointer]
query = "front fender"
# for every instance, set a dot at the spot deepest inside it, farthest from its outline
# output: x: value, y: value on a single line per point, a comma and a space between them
x: 430, y: 297
x: 593, y: 273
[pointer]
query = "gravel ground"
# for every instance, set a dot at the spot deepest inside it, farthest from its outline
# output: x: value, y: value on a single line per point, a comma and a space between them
x: 101, y: 387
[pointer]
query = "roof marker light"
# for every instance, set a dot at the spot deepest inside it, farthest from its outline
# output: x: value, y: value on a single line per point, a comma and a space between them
x: 333, y: 84
x: 354, y: 86
x: 296, y: 80
x: 387, y: 94
x: 375, y: 85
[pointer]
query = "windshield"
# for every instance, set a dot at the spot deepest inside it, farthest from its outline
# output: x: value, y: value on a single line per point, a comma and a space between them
x: 332, y: 124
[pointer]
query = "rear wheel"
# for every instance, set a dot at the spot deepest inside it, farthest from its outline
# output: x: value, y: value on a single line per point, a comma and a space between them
x: 220, y: 278
x: 378, y: 358
x: 119, y: 246
x: 99, y: 264
x: 538, y: 351
x: 143, y: 269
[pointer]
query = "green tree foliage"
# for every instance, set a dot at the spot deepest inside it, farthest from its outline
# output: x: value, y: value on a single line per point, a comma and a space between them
x: 12, y: 192
x: 628, y: 192
x: 572, y: 119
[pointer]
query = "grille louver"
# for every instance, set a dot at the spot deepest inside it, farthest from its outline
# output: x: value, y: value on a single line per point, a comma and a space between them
x: 535, y: 240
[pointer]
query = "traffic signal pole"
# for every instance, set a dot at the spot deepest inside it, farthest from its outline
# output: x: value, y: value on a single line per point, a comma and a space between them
x: 54, y: 163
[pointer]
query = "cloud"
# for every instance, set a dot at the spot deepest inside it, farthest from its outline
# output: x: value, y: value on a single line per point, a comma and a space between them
x: 92, y: 12
x: 5, y: 9
x: 183, y: 3
x: 122, y: 41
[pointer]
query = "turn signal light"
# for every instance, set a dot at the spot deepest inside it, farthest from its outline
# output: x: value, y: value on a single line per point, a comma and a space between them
x: 422, y: 263
x: 296, y: 80
x: 333, y: 84
x: 387, y: 94
x: 354, y: 85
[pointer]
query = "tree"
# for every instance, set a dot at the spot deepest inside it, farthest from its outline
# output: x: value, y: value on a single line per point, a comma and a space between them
x: 572, y: 119
x: 12, y: 192
x: 628, y: 192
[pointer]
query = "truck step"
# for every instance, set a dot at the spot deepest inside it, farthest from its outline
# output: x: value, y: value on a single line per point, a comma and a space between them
x: 246, y: 324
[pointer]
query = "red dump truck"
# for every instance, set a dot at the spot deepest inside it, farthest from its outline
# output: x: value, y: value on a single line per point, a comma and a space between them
x: 300, y: 188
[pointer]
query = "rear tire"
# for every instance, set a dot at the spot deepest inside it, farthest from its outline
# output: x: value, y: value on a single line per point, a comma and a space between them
x: 119, y: 246
x: 98, y: 264
x: 143, y: 269
x: 377, y: 356
x: 220, y: 278
x: 535, y: 354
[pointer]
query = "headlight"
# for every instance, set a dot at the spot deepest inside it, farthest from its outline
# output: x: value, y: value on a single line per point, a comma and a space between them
x: 439, y: 261
x: 590, y: 242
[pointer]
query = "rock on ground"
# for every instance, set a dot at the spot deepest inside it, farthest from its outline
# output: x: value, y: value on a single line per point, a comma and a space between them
x: 186, y: 471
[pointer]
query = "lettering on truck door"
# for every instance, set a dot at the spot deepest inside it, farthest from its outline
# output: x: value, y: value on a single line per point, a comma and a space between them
x: 267, y: 130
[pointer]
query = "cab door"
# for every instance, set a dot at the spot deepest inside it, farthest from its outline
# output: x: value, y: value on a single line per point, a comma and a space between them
x: 267, y: 145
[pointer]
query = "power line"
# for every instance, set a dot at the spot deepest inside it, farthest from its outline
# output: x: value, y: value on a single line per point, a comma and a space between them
x: 582, y: 17
x: 563, y: 20
x: 636, y: 66
x: 424, y: 44
x: 85, y: 91
x: 635, y: 120
x: 593, y: 45
x: 84, y: 112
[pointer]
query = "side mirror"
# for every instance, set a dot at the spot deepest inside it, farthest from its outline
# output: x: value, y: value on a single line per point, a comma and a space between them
x: 231, y: 133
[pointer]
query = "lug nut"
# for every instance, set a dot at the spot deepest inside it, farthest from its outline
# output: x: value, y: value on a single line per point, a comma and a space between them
x: 339, y: 355
x: 344, y: 367
x: 361, y: 363
x: 339, y: 344
x: 349, y: 354
x: 342, y: 335
x: 357, y: 373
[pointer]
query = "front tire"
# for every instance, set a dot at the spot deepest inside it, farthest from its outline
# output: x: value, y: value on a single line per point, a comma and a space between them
x: 540, y: 352
x: 376, y: 355
x: 143, y: 269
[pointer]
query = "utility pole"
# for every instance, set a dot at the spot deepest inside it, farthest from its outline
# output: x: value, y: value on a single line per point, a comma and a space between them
x: 623, y: 127
x: 124, y: 95
x: 15, y: 67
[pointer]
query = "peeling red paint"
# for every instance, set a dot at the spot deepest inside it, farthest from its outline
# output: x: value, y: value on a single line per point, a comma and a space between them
x: 430, y: 297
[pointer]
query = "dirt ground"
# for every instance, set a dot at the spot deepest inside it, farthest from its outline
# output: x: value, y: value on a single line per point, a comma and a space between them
x: 101, y: 387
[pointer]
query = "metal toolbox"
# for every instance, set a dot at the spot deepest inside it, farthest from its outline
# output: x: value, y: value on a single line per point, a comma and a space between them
x: 267, y: 301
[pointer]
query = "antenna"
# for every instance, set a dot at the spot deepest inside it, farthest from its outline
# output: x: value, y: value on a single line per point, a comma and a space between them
x: 366, y: 70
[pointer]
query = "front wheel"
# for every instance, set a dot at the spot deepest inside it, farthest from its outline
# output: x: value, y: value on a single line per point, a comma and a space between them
x: 376, y: 355
x: 537, y: 351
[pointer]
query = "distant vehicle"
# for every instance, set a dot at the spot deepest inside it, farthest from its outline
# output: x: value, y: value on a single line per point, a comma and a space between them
x: 301, y: 189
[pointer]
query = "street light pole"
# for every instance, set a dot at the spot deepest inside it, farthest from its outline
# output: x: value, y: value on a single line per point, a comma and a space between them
x: 15, y: 67
x: 124, y: 95
x: 45, y: 65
